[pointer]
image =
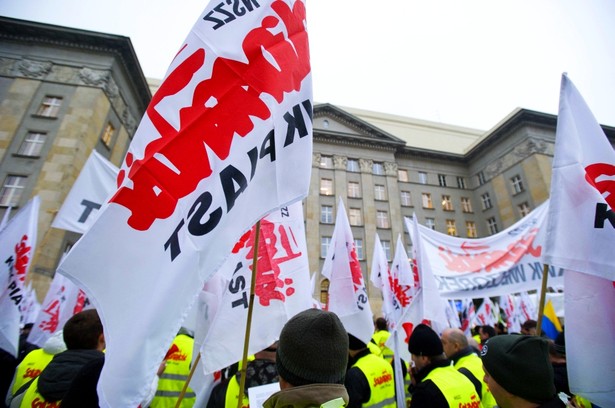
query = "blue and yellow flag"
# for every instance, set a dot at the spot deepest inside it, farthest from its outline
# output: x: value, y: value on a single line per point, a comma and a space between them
x: 550, y: 322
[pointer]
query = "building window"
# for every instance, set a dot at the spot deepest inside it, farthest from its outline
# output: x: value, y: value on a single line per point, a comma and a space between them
x: 461, y: 183
x: 524, y: 209
x: 386, y: 246
x: 430, y: 223
x: 422, y: 177
x: 354, y: 216
x: 326, y: 162
x: 442, y: 180
x: 108, y: 135
x: 486, y: 200
x: 352, y: 165
x: 466, y: 205
x: 481, y: 178
x: 324, y: 246
x: 517, y: 184
x: 324, y: 292
x: 447, y: 204
x: 326, y: 214
x: 50, y: 107
x: 378, y: 169
x: 326, y: 186
x: 354, y: 190
x: 358, y: 246
x: 492, y: 226
x: 379, y: 192
x: 32, y: 144
x: 12, y: 190
x: 427, y: 203
x: 382, y: 219
x: 451, y: 228
x: 471, y: 229
x: 402, y: 175
x: 406, y: 199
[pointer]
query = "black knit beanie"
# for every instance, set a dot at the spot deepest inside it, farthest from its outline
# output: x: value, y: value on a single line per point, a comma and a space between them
x: 520, y: 365
x: 425, y: 342
x: 313, y: 348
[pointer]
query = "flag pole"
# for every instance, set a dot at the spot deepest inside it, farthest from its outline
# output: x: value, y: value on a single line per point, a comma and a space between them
x: 185, y: 387
x: 244, y: 360
x: 541, y: 303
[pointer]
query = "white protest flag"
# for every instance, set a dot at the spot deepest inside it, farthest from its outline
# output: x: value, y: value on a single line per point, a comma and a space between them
x: 96, y: 182
x: 380, y: 265
x: 63, y: 300
x: 485, y: 314
x: 347, y: 292
x: 17, y: 246
x: 226, y: 139
x: 527, y: 307
x: 282, y: 288
x: 581, y: 233
x: 514, y: 318
x: 451, y: 314
x: 5, y: 218
x: 468, y: 313
x: 29, y: 306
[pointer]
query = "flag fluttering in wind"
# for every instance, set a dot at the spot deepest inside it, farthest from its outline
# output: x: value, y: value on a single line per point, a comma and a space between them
x: 226, y: 139
x: 468, y: 314
x: 485, y: 315
x: 527, y: 307
x: 17, y: 246
x: 347, y: 292
x: 30, y: 306
x: 550, y: 322
x: 581, y: 233
x: 514, y: 318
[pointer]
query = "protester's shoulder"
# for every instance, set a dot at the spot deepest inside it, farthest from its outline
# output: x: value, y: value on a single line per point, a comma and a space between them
x: 427, y: 394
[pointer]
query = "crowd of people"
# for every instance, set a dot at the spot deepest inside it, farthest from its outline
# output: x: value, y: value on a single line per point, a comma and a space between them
x: 317, y: 363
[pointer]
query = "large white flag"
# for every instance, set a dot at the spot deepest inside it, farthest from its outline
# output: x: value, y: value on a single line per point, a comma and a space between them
x: 581, y: 237
x: 226, y: 139
x: 96, y: 182
x: 514, y: 318
x: 347, y: 291
x: 282, y: 289
x: 485, y: 315
x: 29, y: 306
x: 17, y: 246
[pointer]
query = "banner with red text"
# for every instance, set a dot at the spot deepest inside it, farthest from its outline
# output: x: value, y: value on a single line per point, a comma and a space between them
x: 17, y: 246
x: 504, y: 263
x: 281, y: 291
x: 580, y: 239
x: 226, y: 139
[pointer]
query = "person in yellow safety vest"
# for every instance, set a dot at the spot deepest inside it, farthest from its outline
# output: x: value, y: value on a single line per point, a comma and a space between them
x: 175, y: 374
x: 379, y: 338
x: 261, y: 370
x: 519, y: 373
x: 36, y: 360
x: 84, y: 339
x: 369, y: 380
x: 466, y: 360
x: 436, y: 384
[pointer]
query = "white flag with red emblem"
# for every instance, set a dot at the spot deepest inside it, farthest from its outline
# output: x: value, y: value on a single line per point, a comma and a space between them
x: 347, y: 292
x: 226, y: 139
x: 282, y: 289
x: 17, y: 246
x: 514, y: 318
x: 485, y: 315
x: 581, y: 233
x: 468, y: 313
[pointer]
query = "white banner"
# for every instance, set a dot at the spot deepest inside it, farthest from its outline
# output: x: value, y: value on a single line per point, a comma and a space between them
x: 17, y: 247
x: 581, y: 237
x: 226, y: 139
x: 96, y: 182
x: 507, y: 262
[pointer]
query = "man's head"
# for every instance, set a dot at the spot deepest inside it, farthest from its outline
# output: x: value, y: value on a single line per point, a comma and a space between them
x: 381, y: 323
x: 486, y: 332
x: 518, y: 368
x: 529, y: 327
x: 453, y: 341
x: 425, y: 346
x: 355, y: 345
x: 84, y: 331
x: 313, y: 348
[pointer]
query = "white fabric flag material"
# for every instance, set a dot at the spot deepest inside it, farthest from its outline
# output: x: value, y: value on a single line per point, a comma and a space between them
x: 514, y: 318
x: 507, y: 262
x: 226, y: 139
x: 527, y: 307
x: 347, y: 292
x: 96, y: 182
x: 485, y: 315
x: 29, y: 307
x: 282, y: 289
x: 581, y: 237
x: 17, y: 247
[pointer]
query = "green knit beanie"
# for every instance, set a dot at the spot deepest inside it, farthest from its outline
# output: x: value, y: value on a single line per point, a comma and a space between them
x: 313, y: 348
x: 521, y: 365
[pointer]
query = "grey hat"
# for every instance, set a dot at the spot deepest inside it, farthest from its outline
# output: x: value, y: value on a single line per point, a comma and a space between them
x: 313, y: 349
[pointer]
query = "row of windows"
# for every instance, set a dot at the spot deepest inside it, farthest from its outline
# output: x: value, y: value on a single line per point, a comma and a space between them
x: 358, y: 245
x: 355, y: 217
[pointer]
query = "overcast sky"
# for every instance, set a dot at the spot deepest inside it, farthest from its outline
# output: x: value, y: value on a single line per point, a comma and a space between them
x: 461, y: 62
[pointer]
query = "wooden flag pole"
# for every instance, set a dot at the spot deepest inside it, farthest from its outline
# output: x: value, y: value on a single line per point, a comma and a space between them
x: 244, y: 360
x: 185, y: 387
x: 541, y: 303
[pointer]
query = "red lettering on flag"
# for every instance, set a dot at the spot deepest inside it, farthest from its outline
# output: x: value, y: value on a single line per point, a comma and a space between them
x: 593, y: 172
x: 22, y: 258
